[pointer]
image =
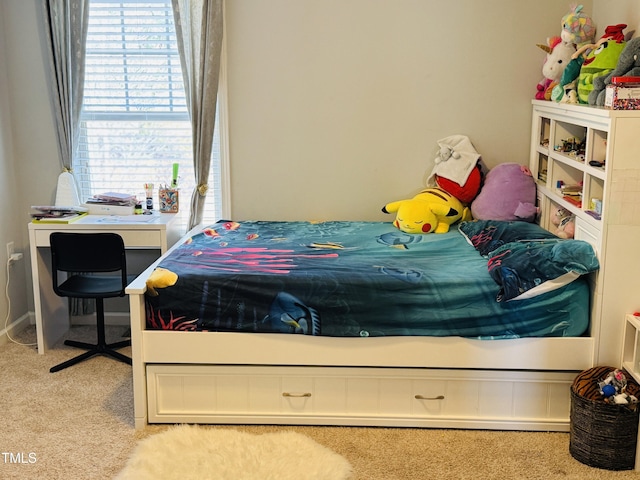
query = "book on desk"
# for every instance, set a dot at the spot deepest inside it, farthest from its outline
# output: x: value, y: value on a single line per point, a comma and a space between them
x: 60, y: 219
x: 54, y: 214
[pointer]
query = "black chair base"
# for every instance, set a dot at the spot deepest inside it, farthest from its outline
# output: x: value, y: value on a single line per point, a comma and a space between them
x: 92, y: 350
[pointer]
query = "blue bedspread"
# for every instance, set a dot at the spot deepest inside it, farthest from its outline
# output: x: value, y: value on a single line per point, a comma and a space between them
x: 346, y: 279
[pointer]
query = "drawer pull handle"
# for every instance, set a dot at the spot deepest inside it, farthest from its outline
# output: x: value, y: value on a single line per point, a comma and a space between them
x: 296, y: 395
x: 422, y: 397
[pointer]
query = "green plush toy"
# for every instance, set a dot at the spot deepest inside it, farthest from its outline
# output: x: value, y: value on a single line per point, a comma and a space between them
x: 601, y: 60
x: 432, y: 210
x: 628, y: 66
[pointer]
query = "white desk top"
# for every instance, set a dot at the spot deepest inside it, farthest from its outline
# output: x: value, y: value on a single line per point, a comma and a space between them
x: 121, y: 222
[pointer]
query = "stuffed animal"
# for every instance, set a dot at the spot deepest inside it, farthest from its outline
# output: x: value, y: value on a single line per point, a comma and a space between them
x: 455, y: 169
x: 614, y: 389
x: 508, y: 194
x: 567, y: 89
x: 564, y: 222
x: 577, y: 27
x: 568, y: 92
x: 628, y: 66
x: 600, y: 61
x: 558, y: 56
x: 465, y: 192
x: 432, y: 210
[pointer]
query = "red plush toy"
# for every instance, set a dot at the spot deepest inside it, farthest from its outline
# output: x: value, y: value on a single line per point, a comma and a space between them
x: 467, y: 192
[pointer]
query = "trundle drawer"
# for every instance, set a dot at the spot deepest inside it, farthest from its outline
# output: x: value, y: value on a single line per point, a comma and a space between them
x: 337, y: 395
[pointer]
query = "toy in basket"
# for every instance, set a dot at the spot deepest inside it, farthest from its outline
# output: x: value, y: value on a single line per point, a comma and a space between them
x: 604, y: 433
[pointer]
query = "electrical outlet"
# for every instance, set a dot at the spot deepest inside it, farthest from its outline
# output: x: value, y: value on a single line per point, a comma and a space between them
x: 10, y: 249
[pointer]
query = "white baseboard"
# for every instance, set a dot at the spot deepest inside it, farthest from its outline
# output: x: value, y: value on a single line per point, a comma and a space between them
x: 14, y: 328
x: 28, y: 319
x: 18, y: 325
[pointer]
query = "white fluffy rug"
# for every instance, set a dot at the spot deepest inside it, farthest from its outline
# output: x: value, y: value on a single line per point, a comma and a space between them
x: 192, y: 452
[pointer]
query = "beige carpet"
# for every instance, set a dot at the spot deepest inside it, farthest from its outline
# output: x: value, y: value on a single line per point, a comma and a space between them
x: 78, y: 424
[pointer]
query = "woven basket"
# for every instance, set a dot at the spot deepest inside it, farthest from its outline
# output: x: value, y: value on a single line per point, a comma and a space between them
x: 603, y: 435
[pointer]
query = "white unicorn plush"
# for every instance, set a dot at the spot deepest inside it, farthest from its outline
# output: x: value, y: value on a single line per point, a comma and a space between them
x: 558, y: 56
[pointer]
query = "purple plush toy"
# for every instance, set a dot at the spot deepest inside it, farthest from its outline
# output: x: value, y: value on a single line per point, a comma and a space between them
x: 508, y: 194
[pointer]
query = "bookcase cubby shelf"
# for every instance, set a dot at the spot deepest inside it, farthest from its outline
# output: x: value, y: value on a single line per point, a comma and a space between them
x: 587, y: 160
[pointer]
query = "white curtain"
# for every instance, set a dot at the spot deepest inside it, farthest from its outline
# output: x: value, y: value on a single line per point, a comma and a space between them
x: 199, y: 32
x: 65, y: 33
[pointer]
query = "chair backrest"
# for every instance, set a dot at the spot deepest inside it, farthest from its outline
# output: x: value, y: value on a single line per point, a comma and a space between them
x: 88, y: 253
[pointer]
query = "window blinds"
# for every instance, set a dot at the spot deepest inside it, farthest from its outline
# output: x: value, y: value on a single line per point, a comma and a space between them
x: 134, y: 122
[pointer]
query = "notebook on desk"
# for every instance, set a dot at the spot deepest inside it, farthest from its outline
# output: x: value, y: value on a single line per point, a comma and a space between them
x: 56, y: 214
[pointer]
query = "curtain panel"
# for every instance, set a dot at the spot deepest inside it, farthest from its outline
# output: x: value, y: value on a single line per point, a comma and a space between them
x: 199, y: 33
x: 65, y: 35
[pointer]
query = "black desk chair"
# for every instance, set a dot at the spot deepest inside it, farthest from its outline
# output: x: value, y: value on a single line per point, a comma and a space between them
x: 91, y: 253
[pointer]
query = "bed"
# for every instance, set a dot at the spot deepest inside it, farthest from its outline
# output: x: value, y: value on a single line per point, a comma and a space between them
x: 357, y: 323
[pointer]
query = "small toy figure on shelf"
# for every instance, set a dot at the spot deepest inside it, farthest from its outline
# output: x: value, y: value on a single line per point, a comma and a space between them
x: 571, y: 146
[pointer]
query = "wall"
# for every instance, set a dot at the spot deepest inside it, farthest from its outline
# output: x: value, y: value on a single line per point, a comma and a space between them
x: 612, y: 12
x: 335, y: 105
x: 12, y: 222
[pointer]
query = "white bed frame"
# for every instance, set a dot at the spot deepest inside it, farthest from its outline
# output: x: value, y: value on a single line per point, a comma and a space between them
x: 448, y: 382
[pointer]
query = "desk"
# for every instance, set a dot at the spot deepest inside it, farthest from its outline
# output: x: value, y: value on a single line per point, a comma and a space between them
x: 157, y: 231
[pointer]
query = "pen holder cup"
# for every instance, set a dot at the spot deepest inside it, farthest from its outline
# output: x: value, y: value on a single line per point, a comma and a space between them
x: 168, y: 200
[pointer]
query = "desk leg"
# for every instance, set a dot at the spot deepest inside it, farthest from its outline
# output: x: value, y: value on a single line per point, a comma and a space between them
x: 51, y: 311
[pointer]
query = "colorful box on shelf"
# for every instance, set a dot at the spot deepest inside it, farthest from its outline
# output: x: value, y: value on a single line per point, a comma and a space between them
x: 623, y: 93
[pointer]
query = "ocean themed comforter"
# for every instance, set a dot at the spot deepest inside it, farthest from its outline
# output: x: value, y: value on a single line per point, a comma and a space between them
x: 348, y: 279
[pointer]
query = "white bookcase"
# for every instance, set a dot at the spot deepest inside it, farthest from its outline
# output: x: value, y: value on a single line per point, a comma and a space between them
x: 631, y: 358
x: 612, y: 138
x: 631, y: 347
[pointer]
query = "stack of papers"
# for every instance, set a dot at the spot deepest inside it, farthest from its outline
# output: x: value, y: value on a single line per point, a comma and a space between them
x: 113, y: 198
x: 111, y: 203
x: 56, y: 214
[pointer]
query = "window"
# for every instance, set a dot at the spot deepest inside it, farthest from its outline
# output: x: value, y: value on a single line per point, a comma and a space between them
x: 134, y: 122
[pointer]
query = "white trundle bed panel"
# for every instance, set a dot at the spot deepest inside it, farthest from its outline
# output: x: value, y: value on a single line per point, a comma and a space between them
x: 437, y: 382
